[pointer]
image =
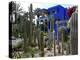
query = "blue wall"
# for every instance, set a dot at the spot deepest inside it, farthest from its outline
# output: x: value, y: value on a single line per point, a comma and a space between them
x: 59, y: 13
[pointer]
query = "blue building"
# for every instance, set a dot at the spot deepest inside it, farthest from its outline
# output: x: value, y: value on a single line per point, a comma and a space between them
x: 59, y: 13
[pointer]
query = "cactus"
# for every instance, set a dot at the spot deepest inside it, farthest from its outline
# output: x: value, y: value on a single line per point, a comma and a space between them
x: 42, y: 44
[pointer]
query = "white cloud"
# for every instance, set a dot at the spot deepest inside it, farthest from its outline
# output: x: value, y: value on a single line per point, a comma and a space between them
x: 26, y: 5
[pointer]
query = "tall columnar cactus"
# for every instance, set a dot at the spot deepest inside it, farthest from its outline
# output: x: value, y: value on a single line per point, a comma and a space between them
x: 34, y: 35
x: 42, y: 43
x: 74, y: 33
x: 31, y: 18
x: 57, y: 35
x: 52, y: 34
x: 38, y: 13
x: 62, y: 34
x: 24, y: 36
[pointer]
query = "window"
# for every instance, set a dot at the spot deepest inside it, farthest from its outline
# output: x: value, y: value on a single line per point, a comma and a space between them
x: 54, y: 12
x: 41, y: 20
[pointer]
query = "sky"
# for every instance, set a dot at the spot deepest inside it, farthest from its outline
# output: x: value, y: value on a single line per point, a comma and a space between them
x: 25, y: 5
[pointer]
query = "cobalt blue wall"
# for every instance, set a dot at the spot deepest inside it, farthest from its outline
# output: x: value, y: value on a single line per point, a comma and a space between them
x: 59, y: 13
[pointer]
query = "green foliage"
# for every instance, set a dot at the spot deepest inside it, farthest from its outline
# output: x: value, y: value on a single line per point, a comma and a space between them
x: 66, y: 38
x: 14, y: 30
x: 19, y: 45
x: 30, y: 51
